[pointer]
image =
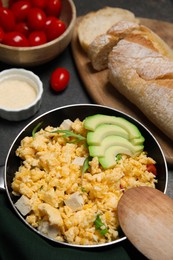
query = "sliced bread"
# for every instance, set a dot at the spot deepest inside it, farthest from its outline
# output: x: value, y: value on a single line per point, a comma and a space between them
x: 96, y: 23
x: 102, y: 45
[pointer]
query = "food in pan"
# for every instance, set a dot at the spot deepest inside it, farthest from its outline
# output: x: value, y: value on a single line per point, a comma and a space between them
x: 67, y: 192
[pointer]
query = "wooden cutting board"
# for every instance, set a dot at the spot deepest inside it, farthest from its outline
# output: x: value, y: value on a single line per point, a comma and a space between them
x: 102, y: 92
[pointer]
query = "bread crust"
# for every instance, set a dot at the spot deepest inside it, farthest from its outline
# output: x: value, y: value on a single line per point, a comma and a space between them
x: 102, y: 45
x: 139, y: 62
x: 145, y: 77
x: 99, y: 50
x: 98, y: 22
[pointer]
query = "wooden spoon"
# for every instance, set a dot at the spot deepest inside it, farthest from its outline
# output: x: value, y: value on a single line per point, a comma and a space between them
x: 146, y: 217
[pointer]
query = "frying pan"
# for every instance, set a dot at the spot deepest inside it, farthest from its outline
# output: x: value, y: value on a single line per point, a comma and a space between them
x: 55, y: 118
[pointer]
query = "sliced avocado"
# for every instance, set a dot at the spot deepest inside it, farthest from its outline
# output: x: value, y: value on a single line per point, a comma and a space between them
x: 112, y: 140
x: 109, y: 160
x: 139, y: 140
x: 91, y: 122
x: 104, y: 130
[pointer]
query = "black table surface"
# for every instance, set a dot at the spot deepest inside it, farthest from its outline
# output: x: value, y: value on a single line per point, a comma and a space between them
x: 76, y: 92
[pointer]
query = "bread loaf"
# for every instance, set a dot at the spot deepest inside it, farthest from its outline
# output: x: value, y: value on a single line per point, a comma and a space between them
x: 102, y: 45
x: 139, y: 62
x: 145, y: 77
x: 98, y: 22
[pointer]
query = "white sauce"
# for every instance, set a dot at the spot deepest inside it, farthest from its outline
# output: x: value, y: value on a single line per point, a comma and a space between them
x: 16, y: 94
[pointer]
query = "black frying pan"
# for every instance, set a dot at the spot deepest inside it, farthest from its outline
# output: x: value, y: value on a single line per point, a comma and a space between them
x: 54, y: 118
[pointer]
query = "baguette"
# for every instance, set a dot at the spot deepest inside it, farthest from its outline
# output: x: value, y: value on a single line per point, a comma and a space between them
x: 139, y: 62
x: 102, y: 45
x: 98, y: 22
x: 144, y: 76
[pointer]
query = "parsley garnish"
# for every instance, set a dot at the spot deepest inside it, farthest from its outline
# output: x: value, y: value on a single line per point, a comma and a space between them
x: 100, y: 226
x: 85, y: 167
x: 118, y: 157
x: 67, y: 133
x: 83, y: 189
x: 36, y: 128
x: 86, y: 164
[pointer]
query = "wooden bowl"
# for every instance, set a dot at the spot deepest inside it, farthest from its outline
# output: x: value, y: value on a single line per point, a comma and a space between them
x: 31, y: 56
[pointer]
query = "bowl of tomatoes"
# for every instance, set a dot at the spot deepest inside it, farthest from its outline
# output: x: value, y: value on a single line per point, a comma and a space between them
x: 33, y: 32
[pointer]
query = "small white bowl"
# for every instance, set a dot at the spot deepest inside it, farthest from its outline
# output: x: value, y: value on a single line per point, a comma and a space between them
x: 20, y: 94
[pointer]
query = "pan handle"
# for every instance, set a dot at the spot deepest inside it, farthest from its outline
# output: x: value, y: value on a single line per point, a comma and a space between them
x: 2, y: 187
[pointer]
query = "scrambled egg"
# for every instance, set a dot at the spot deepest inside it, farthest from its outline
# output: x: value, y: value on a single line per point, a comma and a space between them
x: 60, y: 200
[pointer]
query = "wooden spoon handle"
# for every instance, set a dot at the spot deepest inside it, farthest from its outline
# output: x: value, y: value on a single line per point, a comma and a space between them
x: 146, y: 217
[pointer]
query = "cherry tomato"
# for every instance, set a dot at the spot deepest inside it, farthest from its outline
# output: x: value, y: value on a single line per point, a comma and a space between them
x: 54, y: 7
x: 0, y: 3
x: 37, y: 38
x: 7, y: 19
x: 23, y: 28
x: 59, y: 79
x: 36, y: 18
x: 39, y: 3
x: 152, y: 168
x: 1, y: 34
x: 20, y: 10
x: 54, y: 27
x: 15, y: 39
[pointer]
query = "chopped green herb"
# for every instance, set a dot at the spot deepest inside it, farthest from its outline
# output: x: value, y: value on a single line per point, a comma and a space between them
x: 103, y: 231
x: 68, y: 133
x: 98, y: 223
x: 100, y: 226
x: 41, y: 187
x: 83, y: 189
x: 118, y: 157
x: 36, y: 128
x: 85, y: 166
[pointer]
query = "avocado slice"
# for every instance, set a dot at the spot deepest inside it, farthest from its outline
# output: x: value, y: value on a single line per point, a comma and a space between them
x: 139, y: 140
x: 109, y: 135
x: 112, y: 140
x: 104, y: 130
x: 91, y: 122
x: 108, y: 160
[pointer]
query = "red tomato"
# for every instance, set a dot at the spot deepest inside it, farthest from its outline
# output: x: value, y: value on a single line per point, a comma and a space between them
x: 0, y: 3
x: 152, y: 168
x: 54, y: 28
x: 36, y: 18
x: 39, y: 3
x: 54, y: 7
x: 1, y: 34
x: 37, y: 38
x: 59, y: 79
x: 23, y: 28
x: 7, y: 19
x: 20, y: 10
x: 15, y: 39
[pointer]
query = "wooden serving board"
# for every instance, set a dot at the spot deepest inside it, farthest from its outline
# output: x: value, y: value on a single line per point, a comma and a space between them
x: 104, y: 93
